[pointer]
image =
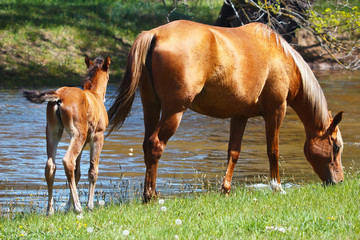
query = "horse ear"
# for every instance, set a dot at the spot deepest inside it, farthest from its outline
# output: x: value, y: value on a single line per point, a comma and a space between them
x: 88, y: 62
x: 337, y: 119
x: 106, y: 64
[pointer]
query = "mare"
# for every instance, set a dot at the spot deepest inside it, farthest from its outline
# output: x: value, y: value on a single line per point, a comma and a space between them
x: 235, y: 73
x: 83, y: 115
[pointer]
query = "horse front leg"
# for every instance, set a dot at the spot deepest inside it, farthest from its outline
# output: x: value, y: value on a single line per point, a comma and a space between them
x: 54, y: 131
x: 237, y: 128
x: 95, y: 149
x: 273, y: 123
x: 154, y: 147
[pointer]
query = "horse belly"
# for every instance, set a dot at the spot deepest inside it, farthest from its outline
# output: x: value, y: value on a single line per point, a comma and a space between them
x: 222, y: 103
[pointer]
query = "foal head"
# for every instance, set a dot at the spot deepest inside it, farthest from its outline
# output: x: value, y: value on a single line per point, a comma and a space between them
x: 324, y: 152
x: 98, y: 73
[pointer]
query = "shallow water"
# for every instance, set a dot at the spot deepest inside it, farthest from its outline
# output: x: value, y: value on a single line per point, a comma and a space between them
x: 194, y: 156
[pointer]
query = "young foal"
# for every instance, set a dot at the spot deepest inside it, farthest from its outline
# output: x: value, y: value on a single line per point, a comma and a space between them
x: 83, y: 115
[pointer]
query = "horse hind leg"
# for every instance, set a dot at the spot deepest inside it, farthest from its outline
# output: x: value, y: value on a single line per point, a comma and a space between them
x: 77, y: 179
x: 76, y: 145
x: 54, y: 131
x: 237, y: 128
x: 95, y: 149
x: 154, y: 146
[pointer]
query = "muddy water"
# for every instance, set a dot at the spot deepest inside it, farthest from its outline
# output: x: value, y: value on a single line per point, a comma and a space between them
x: 196, y: 154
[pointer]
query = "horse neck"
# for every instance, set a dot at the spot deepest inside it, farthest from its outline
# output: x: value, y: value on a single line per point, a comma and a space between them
x: 311, y: 114
x: 99, y: 85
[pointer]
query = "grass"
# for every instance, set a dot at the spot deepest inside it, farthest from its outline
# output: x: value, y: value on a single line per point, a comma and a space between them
x: 43, y: 43
x: 309, y: 212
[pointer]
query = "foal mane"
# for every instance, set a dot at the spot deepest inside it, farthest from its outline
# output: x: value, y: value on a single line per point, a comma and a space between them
x: 88, y: 81
x: 312, y: 91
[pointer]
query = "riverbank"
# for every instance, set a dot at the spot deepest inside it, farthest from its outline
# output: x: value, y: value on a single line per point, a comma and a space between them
x: 309, y: 212
x: 43, y: 43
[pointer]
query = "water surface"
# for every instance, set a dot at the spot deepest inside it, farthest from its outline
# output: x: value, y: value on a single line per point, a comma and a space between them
x: 196, y: 154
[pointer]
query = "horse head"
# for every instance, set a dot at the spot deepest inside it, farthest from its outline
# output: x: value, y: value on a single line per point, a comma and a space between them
x: 324, y: 152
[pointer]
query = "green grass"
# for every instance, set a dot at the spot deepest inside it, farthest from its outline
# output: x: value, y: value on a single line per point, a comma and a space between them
x: 309, y: 212
x: 43, y: 43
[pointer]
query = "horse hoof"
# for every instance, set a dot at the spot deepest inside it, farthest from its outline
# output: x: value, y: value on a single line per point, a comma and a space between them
x: 50, y: 212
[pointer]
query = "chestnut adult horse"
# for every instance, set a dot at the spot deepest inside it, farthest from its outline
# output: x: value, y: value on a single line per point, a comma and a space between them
x: 83, y: 115
x: 235, y: 73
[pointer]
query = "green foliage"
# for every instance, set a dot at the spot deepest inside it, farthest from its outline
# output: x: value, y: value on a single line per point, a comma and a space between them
x: 309, y: 212
x: 43, y: 43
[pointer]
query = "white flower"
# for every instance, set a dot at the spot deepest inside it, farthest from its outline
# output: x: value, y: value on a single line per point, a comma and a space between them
x: 101, y: 202
x: 255, y: 199
x: 126, y: 232
x: 178, y: 221
x: 163, y: 209
x: 90, y: 229
x: 80, y: 216
x: 161, y: 201
x: 130, y: 154
x: 176, y: 237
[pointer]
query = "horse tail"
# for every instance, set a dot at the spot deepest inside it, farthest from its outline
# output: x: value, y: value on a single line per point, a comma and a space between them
x: 136, y: 62
x: 40, y: 97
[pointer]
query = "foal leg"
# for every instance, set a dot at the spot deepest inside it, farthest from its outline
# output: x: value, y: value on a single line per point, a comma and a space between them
x: 77, y: 179
x: 154, y: 147
x: 69, y: 161
x: 273, y: 123
x: 54, y: 131
x: 95, y: 148
x: 237, y: 127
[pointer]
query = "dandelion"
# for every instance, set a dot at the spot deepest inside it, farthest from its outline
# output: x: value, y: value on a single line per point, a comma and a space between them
x: 178, y: 221
x: 60, y: 229
x: 20, y: 226
x: 126, y: 232
x: 163, y: 209
x: 101, y: 202
x: 90, y: 229
x: 161, y: 201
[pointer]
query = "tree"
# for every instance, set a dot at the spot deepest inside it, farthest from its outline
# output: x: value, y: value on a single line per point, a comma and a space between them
x: 336, y: 28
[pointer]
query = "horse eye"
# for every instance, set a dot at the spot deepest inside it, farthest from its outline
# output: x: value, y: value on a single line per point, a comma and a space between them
x: 336, y: 148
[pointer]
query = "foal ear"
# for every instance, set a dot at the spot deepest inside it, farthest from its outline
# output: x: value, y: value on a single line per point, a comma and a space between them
x: 106, y: 64
x: 337, y: 119
x: 88, y: 62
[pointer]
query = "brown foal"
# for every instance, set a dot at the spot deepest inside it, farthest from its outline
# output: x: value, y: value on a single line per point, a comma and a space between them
x: 83, y: 115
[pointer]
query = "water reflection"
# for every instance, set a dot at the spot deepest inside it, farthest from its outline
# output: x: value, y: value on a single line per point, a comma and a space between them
x: 194, y: 155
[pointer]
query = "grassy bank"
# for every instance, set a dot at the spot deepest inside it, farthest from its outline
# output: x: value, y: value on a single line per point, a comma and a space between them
x: 309, y: 212
x: 43, y: 43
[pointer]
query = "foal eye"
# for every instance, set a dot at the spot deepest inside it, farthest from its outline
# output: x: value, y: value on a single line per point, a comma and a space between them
x: 336, y: 148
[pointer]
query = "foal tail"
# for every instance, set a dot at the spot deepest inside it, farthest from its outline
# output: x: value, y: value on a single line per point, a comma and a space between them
x: 136, y: 63
x: 40, y: 97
